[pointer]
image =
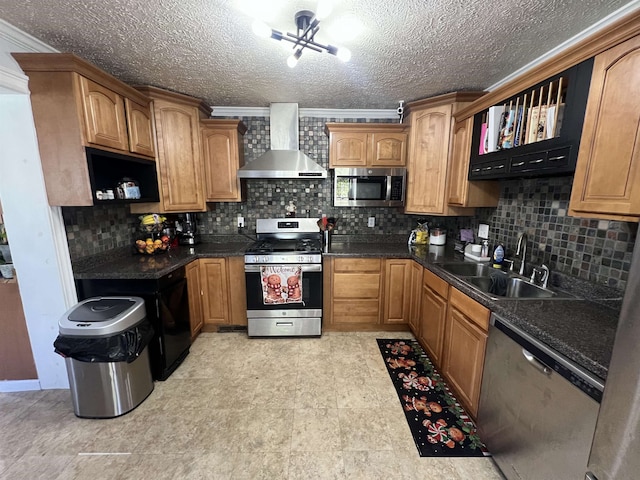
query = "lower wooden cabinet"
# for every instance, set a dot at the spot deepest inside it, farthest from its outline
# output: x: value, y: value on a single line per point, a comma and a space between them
x: 369, y: 293
x: 195, y: 298
x: 433, y: 315
x: 416, y: 295
x: 397, y: 290
x: 464, y: 349
x: 223, y: 300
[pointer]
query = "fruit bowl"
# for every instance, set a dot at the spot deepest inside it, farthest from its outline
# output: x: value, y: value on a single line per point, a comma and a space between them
x: 152, y: 243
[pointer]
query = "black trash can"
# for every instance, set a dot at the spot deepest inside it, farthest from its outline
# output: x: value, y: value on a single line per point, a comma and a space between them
x: 104, y: 341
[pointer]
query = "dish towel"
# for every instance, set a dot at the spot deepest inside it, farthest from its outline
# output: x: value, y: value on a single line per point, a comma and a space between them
x: 498, y: 283
x: 281, y: 284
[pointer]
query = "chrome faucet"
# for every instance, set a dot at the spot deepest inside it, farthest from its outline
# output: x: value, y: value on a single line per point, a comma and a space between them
x: 521, y: 251
x: 543, y: 271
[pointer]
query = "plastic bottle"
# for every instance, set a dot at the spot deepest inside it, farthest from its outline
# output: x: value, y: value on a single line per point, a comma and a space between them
x: 484, y: 252
x: 498, y: 256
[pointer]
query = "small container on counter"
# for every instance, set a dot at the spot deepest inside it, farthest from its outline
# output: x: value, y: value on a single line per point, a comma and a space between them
x: 437, y: 236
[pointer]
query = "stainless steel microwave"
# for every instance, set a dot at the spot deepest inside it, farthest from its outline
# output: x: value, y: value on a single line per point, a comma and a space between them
x: 369, y: 187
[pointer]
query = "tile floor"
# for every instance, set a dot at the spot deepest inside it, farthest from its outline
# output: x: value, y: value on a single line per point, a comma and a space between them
x: 237, y: 408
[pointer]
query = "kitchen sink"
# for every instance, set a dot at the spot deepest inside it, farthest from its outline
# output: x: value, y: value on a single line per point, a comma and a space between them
x: 468, y: 269
x: 482, y: 277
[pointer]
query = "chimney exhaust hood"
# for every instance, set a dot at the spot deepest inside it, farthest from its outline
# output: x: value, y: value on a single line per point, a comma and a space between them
x: 284, y: 160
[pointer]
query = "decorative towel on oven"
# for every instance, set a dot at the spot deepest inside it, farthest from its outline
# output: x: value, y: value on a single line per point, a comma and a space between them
x: 281, y: 284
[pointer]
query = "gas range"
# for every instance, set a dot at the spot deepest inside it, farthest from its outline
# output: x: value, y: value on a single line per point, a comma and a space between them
x: 283, y: 276
x: 285, y: 240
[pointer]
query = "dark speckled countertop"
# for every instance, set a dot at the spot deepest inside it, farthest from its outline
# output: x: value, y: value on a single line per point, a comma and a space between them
x: 582, y: 330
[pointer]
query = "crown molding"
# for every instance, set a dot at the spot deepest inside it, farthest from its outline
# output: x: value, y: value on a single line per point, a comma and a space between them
x: 220, y: 111
x: 576, y: 39
x: 22, y: 40
x: 12, y: 81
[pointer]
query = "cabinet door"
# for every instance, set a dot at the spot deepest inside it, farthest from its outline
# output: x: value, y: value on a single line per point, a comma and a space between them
x: 141, y: 138
x: 195, y: 298
x: 464, y: 358
x: 104, y: 117
x: 416, y: 291
x: 237, y: 291
x: 348, y: 149
x: 427, y: 163
x: 213, y: 274
x: 179, y: 162
x: 431, y: 328
x: 397, y: 290
x: 459, y: 168
x: 388, y: 149
x: 221, y: 162
x: 356, y: 291
x: 607, y: 177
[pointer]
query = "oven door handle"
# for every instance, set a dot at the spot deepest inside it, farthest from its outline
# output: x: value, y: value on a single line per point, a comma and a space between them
x: 305, y: 268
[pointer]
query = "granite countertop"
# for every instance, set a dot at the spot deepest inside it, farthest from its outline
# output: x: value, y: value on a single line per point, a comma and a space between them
x: 582, y: 330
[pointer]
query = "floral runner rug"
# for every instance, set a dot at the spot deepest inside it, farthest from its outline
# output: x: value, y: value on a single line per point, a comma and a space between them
x: 439, y: 425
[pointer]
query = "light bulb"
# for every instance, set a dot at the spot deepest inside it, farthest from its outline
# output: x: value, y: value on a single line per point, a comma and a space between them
x: 261, y: 29
x: 292, y: 61
x: 324, y: 8
x: 344, y: 54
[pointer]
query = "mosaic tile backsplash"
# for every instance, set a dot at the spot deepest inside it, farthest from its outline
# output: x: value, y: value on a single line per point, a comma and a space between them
x: 595, y: 250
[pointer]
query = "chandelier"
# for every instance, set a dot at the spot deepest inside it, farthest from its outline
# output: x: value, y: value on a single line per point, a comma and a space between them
x: 307, y: 26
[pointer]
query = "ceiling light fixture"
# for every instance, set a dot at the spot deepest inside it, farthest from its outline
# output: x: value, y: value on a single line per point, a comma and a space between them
x: 307, y: 24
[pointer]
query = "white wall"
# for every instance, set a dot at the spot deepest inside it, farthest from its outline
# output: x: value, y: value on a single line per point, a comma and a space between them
x: 35, y: 230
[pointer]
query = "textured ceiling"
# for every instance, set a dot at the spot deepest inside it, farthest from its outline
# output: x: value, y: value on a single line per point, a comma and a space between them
x: 408, y: 49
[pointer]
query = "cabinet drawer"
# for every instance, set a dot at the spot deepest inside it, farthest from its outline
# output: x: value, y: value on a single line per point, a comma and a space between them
x: 356, y: 285
x: 475, y: 312
x: 356, y: 265
x: 356, y: 311
x: 436, y: 284
x: 493, y: 169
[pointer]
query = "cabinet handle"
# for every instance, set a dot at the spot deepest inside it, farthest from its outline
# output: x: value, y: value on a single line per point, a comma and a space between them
x: 554, y: 159
x: 537, y: 364
x: 519, y: 164
x: 539, y: 160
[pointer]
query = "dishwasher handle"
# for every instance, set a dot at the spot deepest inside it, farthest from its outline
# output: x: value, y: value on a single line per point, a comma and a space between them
x: 537, y: 364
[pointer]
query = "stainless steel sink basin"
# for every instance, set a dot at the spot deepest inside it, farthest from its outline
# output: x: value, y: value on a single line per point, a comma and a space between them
x: 468, y: 269
x: 515, y: 288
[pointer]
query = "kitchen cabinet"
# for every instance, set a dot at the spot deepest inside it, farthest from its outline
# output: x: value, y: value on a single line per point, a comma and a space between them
x: 223, y: 155
x: 180, y: 169
x: 16, y: 358
x: 224, y: 292
x: 433, y: 315
x: 416, y: 294
x: 397, y: 290
x: 195, y: 298
x: 464, y: 349
x: 367, y: 145
x: 460, y: 191
x: 429, y: 161
x: 356, y: 287
x: 76, y: 105
x: 607, y: 178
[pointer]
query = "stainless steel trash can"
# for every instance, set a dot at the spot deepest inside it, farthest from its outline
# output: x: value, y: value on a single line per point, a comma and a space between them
x: 107, y: 362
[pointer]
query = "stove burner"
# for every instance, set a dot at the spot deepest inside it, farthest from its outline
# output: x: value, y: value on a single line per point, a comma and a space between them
x: 306, y: 245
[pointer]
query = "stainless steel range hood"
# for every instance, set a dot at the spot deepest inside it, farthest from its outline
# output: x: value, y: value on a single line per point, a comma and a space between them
x: 284, y: 160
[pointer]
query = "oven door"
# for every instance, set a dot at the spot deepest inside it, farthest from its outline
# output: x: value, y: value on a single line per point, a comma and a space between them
x: 311, y: 290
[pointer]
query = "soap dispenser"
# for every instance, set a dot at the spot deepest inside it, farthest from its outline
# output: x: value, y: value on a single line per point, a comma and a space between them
x: 498, y: 256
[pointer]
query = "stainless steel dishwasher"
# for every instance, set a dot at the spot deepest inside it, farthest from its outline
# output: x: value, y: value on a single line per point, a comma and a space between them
x: 538, y: 409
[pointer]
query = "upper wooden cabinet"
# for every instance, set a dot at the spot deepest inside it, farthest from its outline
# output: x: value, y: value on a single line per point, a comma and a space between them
x: 460, y: 191
x: 607, y: 178
x: 180, y: 170
x: 223, y: 155
x: 430, y: 158
x: 367, y: 144
x: 77, y: 105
